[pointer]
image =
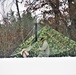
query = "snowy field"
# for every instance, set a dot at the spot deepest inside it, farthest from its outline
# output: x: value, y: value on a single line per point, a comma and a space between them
x: 38, y: 66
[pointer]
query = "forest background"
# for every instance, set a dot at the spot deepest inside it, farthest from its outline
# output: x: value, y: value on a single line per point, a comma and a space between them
x: 17, y: 26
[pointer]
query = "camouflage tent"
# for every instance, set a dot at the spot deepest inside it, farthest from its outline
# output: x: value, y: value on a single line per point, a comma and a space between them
x: 60, y: 45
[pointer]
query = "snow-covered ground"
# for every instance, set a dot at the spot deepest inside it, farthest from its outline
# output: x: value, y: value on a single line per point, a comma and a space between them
x: 38, y: 66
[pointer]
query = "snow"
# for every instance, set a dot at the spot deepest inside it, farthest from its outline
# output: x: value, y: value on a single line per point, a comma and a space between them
x: 38, y: 66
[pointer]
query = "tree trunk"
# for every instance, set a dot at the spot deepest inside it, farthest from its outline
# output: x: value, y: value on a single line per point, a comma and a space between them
x: 72, y: 13
x: 18, y: 10
x: 20, y: 21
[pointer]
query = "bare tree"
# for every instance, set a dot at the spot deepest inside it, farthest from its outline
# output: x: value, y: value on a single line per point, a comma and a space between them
x: 18, y: 10
x: 60, y: 11
x: 20, y: 23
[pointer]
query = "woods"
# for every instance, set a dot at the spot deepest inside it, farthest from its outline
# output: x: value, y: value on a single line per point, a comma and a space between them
x: 16, y: 25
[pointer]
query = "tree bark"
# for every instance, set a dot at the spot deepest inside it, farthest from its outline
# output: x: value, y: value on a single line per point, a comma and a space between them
x: 20, y: 20
x: 72, y: 14
x: 18, y: 10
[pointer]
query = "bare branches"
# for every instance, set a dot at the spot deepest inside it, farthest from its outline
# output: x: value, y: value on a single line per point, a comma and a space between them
x: 21, y: 1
